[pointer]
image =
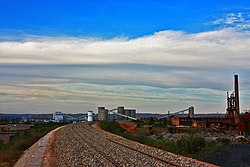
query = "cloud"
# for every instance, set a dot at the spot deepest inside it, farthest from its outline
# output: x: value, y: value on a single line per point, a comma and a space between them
x: 238, y: 21
x: 168, y: 69
x: 169, y: 48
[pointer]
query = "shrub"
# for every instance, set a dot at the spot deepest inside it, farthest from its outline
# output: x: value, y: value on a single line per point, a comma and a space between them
x: 10, y: 152
x: 188, y: 145
x: 112, y: 126
x: 224, y: 141
x: 191, y: 144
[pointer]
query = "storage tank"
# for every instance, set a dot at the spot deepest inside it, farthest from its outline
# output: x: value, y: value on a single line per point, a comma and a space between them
x: 102, y: 113
x: 133, y: 113
x: 90, y: 116
x: 127, y: 112
x: 120, y: 110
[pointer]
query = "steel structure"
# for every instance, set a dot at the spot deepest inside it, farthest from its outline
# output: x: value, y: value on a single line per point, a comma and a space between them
x: 190, y: 109
x: 233, y: 109
x: 66, y: 116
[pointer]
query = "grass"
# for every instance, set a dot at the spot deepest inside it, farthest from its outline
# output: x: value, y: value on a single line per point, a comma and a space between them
x: 191, y: 146
x: 10, y: 152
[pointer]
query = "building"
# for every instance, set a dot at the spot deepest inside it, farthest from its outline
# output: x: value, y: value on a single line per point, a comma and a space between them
x: 58, y: 117
x: 38, y: 119
x: 244, y: 124
x: 126, y: 112
x: 102, y: 114
x: 90, y: 116
x: 121, y: 114
x: 206, y: 122
x: 15, y: 127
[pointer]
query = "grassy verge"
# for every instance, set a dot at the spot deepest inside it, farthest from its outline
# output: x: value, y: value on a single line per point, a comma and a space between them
x: 191, y: 146
x: 10, y: 152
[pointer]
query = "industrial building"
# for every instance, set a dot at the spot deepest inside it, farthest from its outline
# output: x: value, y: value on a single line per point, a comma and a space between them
x: 58, y: 117
x: 102, y: 114
x: 232, y: 121
x: 90, y: 116
x: 122, y: 113
x: 127, y: 112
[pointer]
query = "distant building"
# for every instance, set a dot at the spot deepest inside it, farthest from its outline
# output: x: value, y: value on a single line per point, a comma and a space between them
x: 244, y: 125
x: 15, y: 127
x: 127, y: 112
x: 38, y: 119
x: 205, y: 122
x: 90, y: 116
x: 58, y: 117
x: 102, y: 113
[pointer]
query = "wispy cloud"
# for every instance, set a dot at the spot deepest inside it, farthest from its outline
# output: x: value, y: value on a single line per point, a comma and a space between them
x: 168, y: 69
x: 169, y: 48
x: 239, y: 21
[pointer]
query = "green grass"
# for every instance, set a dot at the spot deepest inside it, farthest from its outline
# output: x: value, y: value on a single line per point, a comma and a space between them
x: 10, y: 152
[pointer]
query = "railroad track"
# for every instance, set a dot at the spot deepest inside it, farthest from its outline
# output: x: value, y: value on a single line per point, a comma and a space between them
x: 152, y: 156
x: 82, y: 145
x: 111, y: 160
x: 86, y: 129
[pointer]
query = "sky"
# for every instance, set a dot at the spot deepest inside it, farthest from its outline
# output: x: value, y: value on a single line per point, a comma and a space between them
x: 151, y: 55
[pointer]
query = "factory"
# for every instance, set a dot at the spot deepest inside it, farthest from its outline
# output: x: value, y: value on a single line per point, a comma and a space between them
x: 121, y: 114
x: 232, y: 121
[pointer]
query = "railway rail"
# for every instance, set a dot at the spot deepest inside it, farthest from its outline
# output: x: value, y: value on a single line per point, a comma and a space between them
x: 111, y: 160
x: 157, y: 158
x: 128, y: 152
x: 80, y: 144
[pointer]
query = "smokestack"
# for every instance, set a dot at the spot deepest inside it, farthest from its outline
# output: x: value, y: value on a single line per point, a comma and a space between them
x: 236, y: 95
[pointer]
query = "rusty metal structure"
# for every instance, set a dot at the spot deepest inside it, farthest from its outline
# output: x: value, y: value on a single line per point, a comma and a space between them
x: 233, y: 120
x: 233, y: 109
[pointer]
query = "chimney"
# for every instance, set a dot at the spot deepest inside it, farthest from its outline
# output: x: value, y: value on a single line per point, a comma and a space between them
x: 236, y: 95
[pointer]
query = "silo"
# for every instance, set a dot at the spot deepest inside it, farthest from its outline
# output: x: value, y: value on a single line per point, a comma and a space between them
x: 133, y: 113
x: 102, y: 113
x: 120, y: 110
x: 127, y: 112
x: 90, y: 116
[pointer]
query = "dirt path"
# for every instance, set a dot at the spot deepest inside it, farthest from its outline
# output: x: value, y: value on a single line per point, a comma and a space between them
x: 39, y: 153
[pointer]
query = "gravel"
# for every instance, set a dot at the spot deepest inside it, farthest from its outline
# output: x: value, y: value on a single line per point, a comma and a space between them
x: 79, y: 144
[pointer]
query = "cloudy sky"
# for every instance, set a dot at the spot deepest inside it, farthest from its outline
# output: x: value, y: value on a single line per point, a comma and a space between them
x: 152, y: 55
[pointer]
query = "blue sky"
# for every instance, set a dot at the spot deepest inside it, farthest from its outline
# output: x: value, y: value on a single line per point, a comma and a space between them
x: 154, y: 56
x: 111, y: 18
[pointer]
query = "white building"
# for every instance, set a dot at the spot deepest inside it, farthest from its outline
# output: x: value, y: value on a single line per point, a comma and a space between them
x: 90, y: 116
x: 58, y: 116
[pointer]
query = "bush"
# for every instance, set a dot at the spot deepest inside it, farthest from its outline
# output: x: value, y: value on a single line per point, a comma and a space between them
x: 191, y: 144
x: 113, y: 127
x: 224, y: 141
x: 10, y: 152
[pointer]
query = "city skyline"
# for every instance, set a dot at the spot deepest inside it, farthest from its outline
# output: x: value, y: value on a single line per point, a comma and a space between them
x: 154, y: 56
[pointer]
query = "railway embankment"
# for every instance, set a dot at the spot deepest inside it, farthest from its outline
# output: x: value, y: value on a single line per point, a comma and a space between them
x: 80, y: 144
